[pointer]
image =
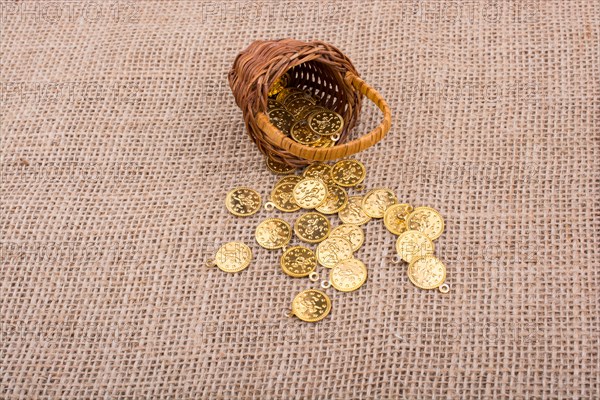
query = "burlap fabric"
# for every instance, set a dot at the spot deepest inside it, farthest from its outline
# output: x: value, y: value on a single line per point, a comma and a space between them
x: 120, y: 138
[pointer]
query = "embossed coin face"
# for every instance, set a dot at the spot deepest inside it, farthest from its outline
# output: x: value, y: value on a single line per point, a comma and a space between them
x: 282, y: 119
x: 298, y: 104
x: 426, y: 220
x: 353, y: 212
x: 377, y: 201
x: 337, y: 198
x: 273, y: 233
x: 310, y: 193
x: 312, y: 227
x: 352, y: 233
x: 282, y: 198
x: 326, y: 123
x: 233, y: 257
x: 298, y: 94
x: 395, y: 218
x: 278, y: 168
x: 348, y: 275
x: 427, y: 272
x: 325, y: 141
x: 348, y: 173
x: 309, y: 110
x: 286, y: 92
x: 302, y: 134
x: 242, y: 201
x: 311, y: 305
x: 333, y: 250
x: 413, y: 244
x: 319, y: 170
x: 289, y: 179
x: 298, y: 261
x: 273, y: 104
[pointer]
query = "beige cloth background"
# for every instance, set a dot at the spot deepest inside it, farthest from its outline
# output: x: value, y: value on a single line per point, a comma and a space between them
x: 120, y: 138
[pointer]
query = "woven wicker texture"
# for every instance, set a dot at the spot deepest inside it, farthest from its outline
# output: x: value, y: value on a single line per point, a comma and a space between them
x: 121, y: 137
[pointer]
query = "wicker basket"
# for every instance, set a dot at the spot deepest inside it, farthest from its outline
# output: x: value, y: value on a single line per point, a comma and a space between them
x: 315, y: 66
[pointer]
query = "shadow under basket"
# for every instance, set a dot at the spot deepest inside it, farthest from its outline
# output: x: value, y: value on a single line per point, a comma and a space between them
x: 316, y: 67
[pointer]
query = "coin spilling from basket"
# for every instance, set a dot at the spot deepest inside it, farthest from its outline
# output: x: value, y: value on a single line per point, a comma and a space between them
x: 296, y: 113
x: 321, y: 191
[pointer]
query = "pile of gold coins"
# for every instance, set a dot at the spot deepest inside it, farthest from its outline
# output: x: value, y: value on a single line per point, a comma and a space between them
x: 321, y: 191
x: 295, y: 113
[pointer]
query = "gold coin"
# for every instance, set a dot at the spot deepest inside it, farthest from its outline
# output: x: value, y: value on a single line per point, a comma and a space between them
x: 279, y: 84
x: 298, y: 261
x: 325, y: 141
x: 289, y: 179
x: 311, y: 305
x: 286, y: 92
x: 348, y: 173
x: 326, y: 123
x: 309, y: 110
x: 278, y: 168
x: 242, y: 201
x: 302, y: 134
x: 348, y: 275
x: 273, y: 233
x: 292, y: 97
x: 319, y: 170
x: 297, y: 105
x: 426, y: 220
x: 395, y: 218
x: 273, y: 104
x: 337, y: 198
x: 427, y: 272
x: 352, y: 233
x: 353, y: 212
x: 413, y: 244
x: 333, y: 250
x: 377, y: 201
x: 312, y: 227
x: 282, y: 119
x: 233, y: 257
x: 310, y: 193
x: 282, y: 198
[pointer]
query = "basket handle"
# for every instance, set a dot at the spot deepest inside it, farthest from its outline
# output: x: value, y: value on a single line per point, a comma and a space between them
x: 277, y: 138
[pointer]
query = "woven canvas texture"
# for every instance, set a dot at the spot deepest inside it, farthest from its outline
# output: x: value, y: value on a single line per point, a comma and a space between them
x: 120, y: 139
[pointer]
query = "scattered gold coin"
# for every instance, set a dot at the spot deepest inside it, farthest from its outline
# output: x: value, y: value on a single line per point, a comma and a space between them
x: 427, y: 272
x: 352, y: 233
x: 348, y: 173
x: 282, y: 198
x: 312, y: 227
x: 353, y: 212
x: 301, y: 133
x: 289, y: 179
x: 348, y: 275
x: 279, y: 168
x: 395, y: 218
x: 326, y: 123
x: 319, y: 170
x: 298, y: 261
x: 336, y: 200
x: 377, y: 201
x: 311, y: 305
x: 413, y: 244
x: 310, y: 193
x: 333, y: 250
x: 426, y: 220
x: 242, y: 201
x: 232, y: 257
x: 273, y: 233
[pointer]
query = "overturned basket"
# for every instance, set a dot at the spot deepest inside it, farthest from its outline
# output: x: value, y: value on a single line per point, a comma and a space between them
x: 314, y: 66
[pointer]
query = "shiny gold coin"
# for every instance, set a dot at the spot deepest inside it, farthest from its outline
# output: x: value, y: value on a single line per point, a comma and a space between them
x: 348, y: 173
x: 279, y: 84
x: 326, y: 123
x: 302, y: 134
x: 309, y: 110
x: 286, y: 92
x: 282, y: 119
x: 353, y: 212
x: 242, y: 201
x: 336, y: 200
x: 273, y: 104
x: 282, y: 198
x: 310, y: 193
x: 298, y: 261
x: 413, y: 244
x: 325, y: 141
x: 426, y: 220
x: 312, y: 227
x: 395, y: 218
x: 427, y: 272
x: 333, y: 250
x: 278, y: 168
x: 352, y: 233
x: 311, y: 305
x: 377, y: 201
x: 273, y: 233
x: 297, y: 105
x: 289, y: 179
x: 233, y: 257
x: 319, y: 170
x: 292, y: 97
x: 348, y: 275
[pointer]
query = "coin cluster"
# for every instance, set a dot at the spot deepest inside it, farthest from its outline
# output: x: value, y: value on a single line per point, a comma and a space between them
x: 296, y: 113
x: 320, y: 191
